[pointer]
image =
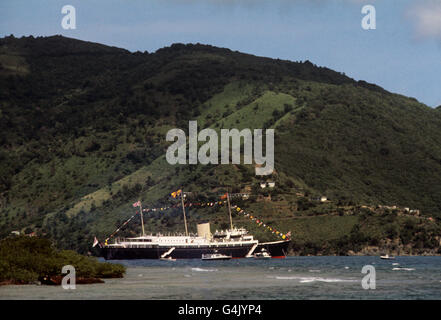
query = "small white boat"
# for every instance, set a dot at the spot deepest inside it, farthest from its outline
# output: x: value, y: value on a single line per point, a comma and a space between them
x: 216, y: 256
x: 168, y: 259
x: 263, y: 254
x: 387, y: 257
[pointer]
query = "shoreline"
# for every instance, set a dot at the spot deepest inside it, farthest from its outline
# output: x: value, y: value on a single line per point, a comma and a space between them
x: 53, y: 281
x: 359, y: 254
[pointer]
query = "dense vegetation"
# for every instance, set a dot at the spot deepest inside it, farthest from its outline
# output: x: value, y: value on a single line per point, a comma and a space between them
x: 30, y: 259
x: 83, y: 131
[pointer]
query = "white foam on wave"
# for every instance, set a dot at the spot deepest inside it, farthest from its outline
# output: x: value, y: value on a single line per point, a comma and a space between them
x: 405, y: 269
x: 395, y: 264
x: 314, y: 270
x: 313, y: 279
x: 203, y: 270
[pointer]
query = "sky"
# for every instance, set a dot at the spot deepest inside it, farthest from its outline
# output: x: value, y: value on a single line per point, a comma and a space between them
x: 402, y: 55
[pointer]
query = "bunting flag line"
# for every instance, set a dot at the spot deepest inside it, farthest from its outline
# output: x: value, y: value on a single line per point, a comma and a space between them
x: 159, y: 209
x: 117, y: 230
x: 260, y: 223
x: 186, y: 205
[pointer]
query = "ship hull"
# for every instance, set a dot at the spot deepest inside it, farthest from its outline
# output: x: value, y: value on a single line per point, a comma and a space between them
x: 277, y: 249
x: 178, y: 253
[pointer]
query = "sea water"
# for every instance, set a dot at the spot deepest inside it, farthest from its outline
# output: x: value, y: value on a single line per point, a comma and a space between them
x: 290, y: 278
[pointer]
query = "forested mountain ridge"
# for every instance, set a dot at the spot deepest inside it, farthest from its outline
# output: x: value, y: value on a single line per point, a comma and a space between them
x: 83, y: 130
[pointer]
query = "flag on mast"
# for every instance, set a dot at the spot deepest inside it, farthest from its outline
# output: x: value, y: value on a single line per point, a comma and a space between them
x: 95, y: 242
x: 137, y: 204
x: 176, y: 193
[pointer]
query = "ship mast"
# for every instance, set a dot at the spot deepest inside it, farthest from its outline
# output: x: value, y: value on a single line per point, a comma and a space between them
x: 229, y: 210
x: 183, y: 210
x: 142, y: 219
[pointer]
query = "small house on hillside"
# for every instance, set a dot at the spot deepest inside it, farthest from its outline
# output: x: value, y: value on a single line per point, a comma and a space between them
x: 320, y: 199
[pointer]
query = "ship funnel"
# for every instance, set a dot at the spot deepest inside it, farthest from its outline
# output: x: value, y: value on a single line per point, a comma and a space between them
x: 204, y: 230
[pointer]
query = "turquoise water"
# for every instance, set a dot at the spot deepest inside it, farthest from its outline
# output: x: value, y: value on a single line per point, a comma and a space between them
x: 291, y: 278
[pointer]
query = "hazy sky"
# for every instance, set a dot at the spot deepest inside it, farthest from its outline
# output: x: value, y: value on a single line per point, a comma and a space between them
x: 403, y: 54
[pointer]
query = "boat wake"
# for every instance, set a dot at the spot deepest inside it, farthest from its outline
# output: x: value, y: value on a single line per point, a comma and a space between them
x: 313, y: 279
x: 203, y: 270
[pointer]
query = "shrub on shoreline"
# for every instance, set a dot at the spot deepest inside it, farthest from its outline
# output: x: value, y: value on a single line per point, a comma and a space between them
x: 25, y: 260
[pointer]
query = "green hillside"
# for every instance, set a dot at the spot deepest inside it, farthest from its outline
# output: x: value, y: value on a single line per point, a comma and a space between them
x: 83, y: 130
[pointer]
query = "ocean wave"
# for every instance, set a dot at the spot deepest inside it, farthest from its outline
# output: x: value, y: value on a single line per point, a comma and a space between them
x: 203, y: 270
x: 405, y: 269
x: 313, y: 279
x: 314, y: 270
